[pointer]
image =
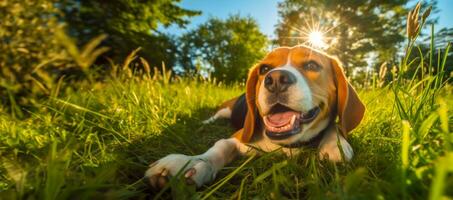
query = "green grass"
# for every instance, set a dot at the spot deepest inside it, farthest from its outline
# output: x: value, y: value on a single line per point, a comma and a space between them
x: 101, y: 139
x: 97, y: 142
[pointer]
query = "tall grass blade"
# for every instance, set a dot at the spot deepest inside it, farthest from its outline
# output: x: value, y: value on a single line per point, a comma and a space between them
x: 426, y: 125
x: 268, y: 173
x: 227, y: 178
x: 55, y: 173
x: 444, y: 123
x: 443, y: 165
x: 405, y: 143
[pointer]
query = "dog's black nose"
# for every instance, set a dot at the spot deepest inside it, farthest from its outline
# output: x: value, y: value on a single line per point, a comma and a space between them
x: 279, y: 80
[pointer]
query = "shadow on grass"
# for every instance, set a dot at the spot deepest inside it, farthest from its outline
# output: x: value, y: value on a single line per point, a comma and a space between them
x: 187, y: 136
x: 373, y: 170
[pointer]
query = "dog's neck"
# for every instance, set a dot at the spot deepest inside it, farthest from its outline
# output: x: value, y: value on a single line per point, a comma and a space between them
x: 311, y: 143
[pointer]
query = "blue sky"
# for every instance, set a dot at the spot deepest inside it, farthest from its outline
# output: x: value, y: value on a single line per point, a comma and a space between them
x: 265, y: 12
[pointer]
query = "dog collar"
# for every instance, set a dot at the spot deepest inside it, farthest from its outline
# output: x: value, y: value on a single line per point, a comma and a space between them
x: 312, y: 143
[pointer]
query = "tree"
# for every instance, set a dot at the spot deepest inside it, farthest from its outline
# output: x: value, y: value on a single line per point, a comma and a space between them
x: 129, y: 25
x: 357, y: 28
x: 229, y: 47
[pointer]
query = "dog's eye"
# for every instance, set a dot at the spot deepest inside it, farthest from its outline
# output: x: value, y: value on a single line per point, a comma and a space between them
x: 264, y: 69
x: 312, y: 66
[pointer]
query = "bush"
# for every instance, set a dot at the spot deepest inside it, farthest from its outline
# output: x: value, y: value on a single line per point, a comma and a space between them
x: 36, y: 52
x: 29, y: 50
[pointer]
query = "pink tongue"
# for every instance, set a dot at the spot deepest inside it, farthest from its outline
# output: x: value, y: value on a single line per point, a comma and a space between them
x: 280, y: 119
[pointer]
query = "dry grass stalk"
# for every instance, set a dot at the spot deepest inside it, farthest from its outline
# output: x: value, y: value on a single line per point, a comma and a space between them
x: 382, y: 73
x: 132, y: 56
x: 412, y: 22
x: 146, y: 67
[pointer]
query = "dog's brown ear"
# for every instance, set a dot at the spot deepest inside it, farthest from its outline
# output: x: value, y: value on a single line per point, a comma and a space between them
x: 246, y: 133
x: 350, y: 109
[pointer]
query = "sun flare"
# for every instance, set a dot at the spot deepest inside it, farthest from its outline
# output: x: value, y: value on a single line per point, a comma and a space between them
x: 314, y: 34
x: 316, y: 39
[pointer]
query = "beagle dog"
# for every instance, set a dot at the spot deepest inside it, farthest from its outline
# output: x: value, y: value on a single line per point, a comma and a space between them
x: 292, y: 100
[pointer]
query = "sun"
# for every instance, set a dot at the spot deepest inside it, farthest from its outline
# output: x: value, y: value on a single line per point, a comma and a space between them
x: 313, y: 34
x: 316, y: 39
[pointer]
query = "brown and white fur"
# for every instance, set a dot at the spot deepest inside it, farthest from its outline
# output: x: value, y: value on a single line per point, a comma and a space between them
x: 297, y: 79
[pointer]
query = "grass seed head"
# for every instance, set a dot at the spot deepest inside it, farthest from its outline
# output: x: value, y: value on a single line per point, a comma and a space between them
x: 412, y: 24
x: 426, y: 13
x: 146, y: 66
x: 383, y: 70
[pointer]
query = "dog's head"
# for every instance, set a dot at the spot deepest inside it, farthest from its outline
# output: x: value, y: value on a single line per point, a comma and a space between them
x: 297, y: 92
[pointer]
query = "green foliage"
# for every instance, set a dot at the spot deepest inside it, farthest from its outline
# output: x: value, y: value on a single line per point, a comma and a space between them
x: 356, y: 28
x: 108, y: 133
x: 227, y: 48
x: 128, y: 25
x: 37, y: 54
x: 431, y: 54
x: 28, y: 50
x: 86, y: 56
x: 426, y: 57
x: 424, y: 116
x: 95, y: 140
x: 98, y: 141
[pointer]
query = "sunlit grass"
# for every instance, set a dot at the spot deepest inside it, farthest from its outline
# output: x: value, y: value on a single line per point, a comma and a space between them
x: 97, y: 141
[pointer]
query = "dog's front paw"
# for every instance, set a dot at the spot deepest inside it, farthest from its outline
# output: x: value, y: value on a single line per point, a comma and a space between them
x: 331, y: 151
x: 197, y: 170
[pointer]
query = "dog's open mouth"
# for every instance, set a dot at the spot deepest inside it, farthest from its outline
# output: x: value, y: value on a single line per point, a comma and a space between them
x: 283, y: 122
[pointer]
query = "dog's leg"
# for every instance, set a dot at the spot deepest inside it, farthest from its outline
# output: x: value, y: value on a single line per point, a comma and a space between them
x: 199, y: 169
x: 329, y: 148
x: 222, y: 113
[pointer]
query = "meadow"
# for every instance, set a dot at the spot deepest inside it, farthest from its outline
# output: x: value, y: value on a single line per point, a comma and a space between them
x: 96, y: 142
x: 95, y: 139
